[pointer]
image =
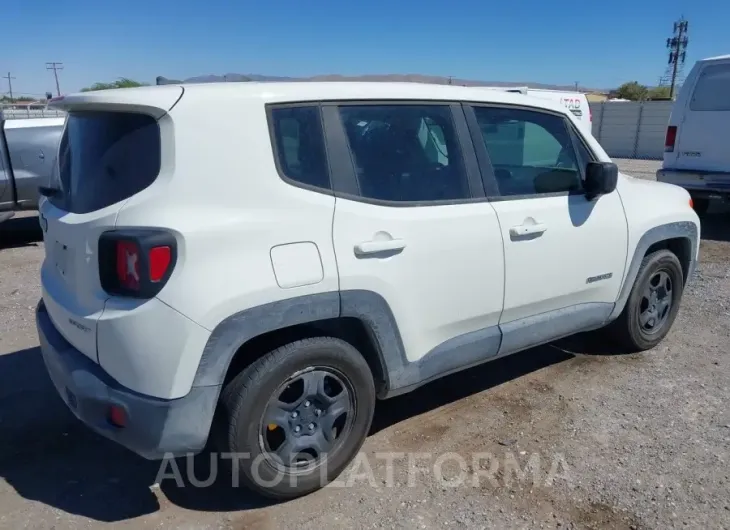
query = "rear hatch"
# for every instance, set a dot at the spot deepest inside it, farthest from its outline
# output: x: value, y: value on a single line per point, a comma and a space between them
x: 703, y: 133
x: 110, y: 150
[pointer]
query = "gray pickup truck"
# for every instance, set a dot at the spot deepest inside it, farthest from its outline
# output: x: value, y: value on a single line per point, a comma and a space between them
x: 28, y: 149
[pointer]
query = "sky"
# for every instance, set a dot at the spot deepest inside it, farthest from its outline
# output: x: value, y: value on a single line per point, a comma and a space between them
x: 597, y: 44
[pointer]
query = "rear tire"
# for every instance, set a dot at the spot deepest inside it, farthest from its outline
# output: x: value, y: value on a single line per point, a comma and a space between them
x: 281, y: 435
x: 645, y: 321
x: 700, y: 205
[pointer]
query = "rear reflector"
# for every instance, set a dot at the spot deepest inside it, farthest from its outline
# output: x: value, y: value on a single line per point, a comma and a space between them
x: 671, y: 138
x: 117, y: 416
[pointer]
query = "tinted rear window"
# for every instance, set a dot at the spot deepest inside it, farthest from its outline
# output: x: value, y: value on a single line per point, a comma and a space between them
x: 712, y: 91
x: 106, y: 157
x: 300, y: 145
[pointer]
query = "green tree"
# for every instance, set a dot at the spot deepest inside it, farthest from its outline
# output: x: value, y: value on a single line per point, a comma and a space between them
x: 20, y: 99
x: 122, y: 82
x: 633, y: 91
x: 660, y: 92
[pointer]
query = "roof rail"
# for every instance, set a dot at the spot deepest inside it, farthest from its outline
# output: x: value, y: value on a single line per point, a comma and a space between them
x: 516, y: 89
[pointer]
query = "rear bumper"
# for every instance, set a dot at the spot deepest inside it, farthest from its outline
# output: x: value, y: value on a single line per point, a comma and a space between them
x: 155, y: 428
x: 710, y: 184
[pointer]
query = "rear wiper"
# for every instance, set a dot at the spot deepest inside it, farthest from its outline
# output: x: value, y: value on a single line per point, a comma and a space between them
x: 48, y: 191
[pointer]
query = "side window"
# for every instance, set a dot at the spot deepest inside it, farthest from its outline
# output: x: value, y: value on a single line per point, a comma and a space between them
x: 532, y: 152
x: 300, y: 145
x: 712, y: 91
x: 405, y: 153
x: 584, y: 155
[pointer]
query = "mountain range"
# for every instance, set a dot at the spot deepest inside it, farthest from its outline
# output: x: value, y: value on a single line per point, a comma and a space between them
x: 412, y: 78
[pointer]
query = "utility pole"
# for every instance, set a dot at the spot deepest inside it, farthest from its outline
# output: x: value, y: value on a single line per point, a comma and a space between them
x: 10, y: 85
x: 677, y: 46
x: 576, y: 86
x: 55, y: 67
x: 451, y: 79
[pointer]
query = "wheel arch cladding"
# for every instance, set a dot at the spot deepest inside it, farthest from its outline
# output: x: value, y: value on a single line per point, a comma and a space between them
x: 361, y: 318
x: 234, y: 331
x: 680, y: 247
x: 682, y: 238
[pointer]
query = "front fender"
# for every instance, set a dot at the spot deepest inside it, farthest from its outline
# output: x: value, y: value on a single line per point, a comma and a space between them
x: 678, y: 230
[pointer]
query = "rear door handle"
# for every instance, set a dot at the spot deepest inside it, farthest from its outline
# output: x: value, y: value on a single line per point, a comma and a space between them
x: 528, y: 229
x: 376, y: 247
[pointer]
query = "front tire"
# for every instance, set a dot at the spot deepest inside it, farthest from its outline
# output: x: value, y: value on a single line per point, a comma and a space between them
x: 297, y: 417
x: 653, y: 303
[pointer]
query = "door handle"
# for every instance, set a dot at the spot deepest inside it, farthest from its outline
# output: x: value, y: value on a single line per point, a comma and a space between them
x: 528, y: 229
x: 375, y: 247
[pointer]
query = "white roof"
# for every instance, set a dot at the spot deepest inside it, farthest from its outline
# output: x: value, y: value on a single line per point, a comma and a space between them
x: 718, y: 58
x: 354, y: 90
x: 165, y: 96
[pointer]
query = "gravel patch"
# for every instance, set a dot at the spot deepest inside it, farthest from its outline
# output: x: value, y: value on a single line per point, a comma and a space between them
x: 645, y: 169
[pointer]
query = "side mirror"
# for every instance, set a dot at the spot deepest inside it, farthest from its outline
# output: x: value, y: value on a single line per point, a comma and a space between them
x: 601, y: 178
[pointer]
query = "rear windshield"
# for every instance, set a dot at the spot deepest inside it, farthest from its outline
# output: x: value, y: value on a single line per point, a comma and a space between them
x: 712, y: 91
x: 106, y: 157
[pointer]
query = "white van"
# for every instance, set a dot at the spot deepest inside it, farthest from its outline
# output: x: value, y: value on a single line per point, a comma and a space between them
x: 575, y: 102
x: 696, y: 154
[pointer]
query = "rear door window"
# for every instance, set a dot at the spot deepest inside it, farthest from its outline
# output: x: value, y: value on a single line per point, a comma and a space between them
x: 106, y: 157
x: 712, y: 91
x: 405, y: 153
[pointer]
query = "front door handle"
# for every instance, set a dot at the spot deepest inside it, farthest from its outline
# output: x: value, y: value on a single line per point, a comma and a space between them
x: 528, y: 229
x: 376, y: 247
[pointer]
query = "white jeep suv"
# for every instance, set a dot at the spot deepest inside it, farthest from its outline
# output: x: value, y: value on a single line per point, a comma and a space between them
x: 284, y: 254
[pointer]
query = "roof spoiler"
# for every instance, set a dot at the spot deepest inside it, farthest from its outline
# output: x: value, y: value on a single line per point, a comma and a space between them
x: 153, y: 100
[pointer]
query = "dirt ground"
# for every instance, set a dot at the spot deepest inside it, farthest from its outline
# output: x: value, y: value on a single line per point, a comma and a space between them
x: 556, y: 437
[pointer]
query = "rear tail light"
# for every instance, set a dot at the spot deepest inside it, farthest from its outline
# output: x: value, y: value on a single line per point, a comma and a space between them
x: 127, y: 257
x: 160, y: 258
x: 136, y: 263
x: 671, y: 138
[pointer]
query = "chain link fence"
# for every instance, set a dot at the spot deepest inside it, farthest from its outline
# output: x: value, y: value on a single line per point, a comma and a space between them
x: 16, y: 111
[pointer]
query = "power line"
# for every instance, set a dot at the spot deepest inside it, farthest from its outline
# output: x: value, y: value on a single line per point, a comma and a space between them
x: 55, y: 67
x: 677, y: 46
x: 10, y: 84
